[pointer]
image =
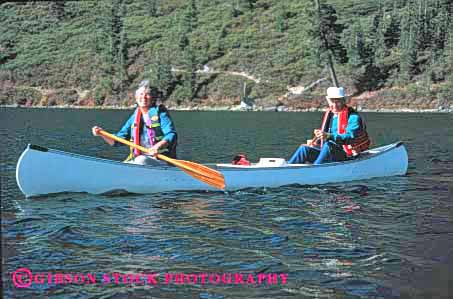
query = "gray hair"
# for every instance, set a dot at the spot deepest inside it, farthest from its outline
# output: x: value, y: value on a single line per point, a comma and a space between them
x: 144, y: 85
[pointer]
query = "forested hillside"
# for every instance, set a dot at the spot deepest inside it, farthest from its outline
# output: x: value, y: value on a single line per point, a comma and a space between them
x: 387, y: 52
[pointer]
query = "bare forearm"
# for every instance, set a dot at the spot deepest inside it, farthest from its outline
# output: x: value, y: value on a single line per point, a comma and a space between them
x: 161, y: 144
x: 95, y: 131
x: 108, y: 140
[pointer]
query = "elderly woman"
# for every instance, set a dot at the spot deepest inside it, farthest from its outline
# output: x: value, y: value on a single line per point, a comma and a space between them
x: 149, y: 126
x: 342, y: 134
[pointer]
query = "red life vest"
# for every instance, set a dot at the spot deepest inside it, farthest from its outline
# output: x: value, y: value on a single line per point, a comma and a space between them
x: 137, y: 130
x: 360, y: 143
x: 153, y: 130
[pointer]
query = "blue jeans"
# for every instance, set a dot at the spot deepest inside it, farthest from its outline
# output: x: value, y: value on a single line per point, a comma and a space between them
x: 330, y: 152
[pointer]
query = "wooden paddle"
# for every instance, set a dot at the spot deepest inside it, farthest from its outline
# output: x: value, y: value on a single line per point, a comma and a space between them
x: 200, y: 172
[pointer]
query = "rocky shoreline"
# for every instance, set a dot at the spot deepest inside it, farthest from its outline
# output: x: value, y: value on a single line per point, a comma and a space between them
x: 394, y: 99
x: 237, y: 108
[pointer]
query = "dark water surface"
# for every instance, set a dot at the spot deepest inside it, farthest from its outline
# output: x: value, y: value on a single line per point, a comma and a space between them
x: 382, y: 238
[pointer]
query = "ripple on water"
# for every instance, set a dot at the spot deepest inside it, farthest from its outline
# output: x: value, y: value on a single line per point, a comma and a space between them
x: 364, y: 239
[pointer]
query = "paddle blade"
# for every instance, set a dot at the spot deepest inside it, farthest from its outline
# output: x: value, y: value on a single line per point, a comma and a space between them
x: 202, y: 168
x: 203, y: 173
x: 214, y: 181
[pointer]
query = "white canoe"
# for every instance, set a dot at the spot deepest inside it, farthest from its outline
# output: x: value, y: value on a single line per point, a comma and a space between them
x: 43, y: 171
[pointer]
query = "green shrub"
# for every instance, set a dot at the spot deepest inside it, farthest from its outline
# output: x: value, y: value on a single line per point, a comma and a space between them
x: 445, y: 94
x: 99, y: 96
x: 67, y: 96
x: 22, y: 96
x: 6, y: 97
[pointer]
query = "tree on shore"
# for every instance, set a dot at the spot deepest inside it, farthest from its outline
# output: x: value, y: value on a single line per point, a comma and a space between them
x: 105, y: 47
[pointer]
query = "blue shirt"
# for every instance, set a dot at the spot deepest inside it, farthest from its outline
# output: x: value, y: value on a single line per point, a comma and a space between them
x: 166, y: 125
x: 353, y: 129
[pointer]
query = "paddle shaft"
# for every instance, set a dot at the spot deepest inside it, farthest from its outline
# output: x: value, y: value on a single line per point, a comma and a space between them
x: 131, y: 144
x: 198, y: 171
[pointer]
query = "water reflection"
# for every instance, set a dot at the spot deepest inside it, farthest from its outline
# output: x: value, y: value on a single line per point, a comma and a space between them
x: 203, y: 211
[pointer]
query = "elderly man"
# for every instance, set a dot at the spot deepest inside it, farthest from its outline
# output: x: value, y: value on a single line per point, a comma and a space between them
x: 342, y: 134
x: 149, y: 126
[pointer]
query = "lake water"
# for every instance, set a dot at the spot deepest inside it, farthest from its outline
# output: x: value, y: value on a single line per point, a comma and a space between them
x: 381, y: 238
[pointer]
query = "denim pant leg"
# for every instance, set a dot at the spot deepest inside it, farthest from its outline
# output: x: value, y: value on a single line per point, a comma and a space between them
x: 304, y: 154
x: 331, y: 152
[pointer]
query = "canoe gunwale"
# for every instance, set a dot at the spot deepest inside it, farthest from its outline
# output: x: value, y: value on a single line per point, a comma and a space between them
x: 369, y: 154
x: 103, y: 160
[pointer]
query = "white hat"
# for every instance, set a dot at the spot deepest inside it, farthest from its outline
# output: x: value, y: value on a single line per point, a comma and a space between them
x: 335, y: 92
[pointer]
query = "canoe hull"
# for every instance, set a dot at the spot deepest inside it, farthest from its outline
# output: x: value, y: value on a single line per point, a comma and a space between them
x: 42, y: 171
